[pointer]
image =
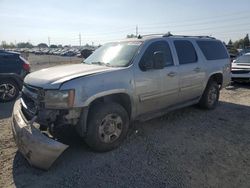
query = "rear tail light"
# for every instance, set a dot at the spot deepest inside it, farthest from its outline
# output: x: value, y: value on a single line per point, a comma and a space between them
x: 26, y: 66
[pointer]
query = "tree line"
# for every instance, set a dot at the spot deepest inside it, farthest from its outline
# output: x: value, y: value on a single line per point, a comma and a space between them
x: 6, y: 45
x: 242, y: 43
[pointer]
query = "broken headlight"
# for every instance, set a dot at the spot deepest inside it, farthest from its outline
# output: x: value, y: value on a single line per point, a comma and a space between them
x: 59, y: 99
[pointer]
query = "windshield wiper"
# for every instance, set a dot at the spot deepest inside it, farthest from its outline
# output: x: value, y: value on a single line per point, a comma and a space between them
x: 98, y: 63
x: 101, y: 63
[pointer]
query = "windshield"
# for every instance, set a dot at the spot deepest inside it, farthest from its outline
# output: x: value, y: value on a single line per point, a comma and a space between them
x: 117, y: 54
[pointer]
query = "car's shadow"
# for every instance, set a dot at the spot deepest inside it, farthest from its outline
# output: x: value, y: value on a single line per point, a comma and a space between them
x: 6, y: 110
x: 170, y: 151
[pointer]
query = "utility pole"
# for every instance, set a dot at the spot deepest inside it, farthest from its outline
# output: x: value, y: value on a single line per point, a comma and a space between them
x: 136, y: 31
x: 49, y: 41
x: 80, y: 39
x: 49, y: 47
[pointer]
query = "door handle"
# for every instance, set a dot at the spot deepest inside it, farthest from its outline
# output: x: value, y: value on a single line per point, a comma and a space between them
x: 171, y: 74
x: 197, y: 69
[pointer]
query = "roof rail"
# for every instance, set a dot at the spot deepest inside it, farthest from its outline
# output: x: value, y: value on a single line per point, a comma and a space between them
x: 199, y: 36
x: 170, y: 35
x: 156, y: 34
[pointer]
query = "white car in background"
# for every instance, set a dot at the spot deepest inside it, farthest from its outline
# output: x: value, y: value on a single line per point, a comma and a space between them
x: 241, y: 68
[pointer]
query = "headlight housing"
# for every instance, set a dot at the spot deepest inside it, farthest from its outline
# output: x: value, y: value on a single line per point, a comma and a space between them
x: 59, y: 99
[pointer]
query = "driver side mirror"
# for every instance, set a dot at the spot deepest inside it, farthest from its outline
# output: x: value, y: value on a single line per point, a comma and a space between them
x: 158, y: 60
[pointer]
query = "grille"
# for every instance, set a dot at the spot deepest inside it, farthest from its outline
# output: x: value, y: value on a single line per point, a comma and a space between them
x: 31, y: 100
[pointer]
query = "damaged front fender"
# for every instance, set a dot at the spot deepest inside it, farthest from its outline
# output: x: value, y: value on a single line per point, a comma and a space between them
x: 40, y: 150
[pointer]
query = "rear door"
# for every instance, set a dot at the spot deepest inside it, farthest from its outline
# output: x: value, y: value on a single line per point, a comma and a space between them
x: 191, y: 70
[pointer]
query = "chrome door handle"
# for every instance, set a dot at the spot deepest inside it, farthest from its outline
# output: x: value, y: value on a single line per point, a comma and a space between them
x: 172, y: 74
x: 197, y: 69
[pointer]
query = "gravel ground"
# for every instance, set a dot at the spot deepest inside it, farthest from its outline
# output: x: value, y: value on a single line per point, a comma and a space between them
x: 186, y: 148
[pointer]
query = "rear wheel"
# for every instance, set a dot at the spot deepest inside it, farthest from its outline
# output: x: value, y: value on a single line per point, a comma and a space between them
x: 107, y: 126
x: 210, y: 97
x: 8, y: 90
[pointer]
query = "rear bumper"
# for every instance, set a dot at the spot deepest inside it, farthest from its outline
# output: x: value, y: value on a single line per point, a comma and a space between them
x: 40, y: 150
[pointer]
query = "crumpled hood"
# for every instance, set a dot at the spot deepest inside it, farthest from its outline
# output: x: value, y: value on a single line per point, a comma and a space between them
x: 52, y: 78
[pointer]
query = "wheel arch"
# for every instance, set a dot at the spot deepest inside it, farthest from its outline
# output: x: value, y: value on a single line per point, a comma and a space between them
x: 217, y: 77
x: 121, y: 98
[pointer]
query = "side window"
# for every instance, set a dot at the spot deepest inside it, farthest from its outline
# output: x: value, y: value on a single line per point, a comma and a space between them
x: 11, y: 60
x: 158, y: 46
x: 185, y: 51
x: 213, y: 50
x: 5, y: 59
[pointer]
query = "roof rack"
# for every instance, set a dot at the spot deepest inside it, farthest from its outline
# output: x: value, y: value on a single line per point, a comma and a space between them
x: 156, y: 34
x: 185, y: 36
x: 170, y: 35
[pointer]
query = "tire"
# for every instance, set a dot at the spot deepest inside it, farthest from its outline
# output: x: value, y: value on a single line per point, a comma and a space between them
x: 108, y: 125
x: 8, y: 90
x: 210, y: 97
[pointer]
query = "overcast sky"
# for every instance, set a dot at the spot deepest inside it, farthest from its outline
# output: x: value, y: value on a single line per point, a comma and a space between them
x: 100, y: 21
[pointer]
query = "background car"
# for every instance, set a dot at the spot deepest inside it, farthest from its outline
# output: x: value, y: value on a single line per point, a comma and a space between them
x: 13, y: 69
x: 241, y: 68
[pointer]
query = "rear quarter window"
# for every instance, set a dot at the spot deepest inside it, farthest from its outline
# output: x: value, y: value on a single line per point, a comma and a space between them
x: 9, y: 59
x: 213, y: 50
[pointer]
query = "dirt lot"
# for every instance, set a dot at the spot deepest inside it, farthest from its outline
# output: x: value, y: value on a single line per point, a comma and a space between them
x: 186, y: 148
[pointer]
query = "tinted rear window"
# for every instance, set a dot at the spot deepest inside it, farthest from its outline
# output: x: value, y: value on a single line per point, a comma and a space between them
x: 213, y: 50
x: 185, y: 51
x: 10, y: 59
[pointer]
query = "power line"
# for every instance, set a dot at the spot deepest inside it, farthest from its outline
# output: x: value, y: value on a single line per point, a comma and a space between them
x: 228, y: 15
x: 197, y: 24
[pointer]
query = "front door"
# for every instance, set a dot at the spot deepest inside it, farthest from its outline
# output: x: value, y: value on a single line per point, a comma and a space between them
x: 156, y: 88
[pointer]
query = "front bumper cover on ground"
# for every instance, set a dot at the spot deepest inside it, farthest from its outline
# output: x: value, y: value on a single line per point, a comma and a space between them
x: 40, y: 150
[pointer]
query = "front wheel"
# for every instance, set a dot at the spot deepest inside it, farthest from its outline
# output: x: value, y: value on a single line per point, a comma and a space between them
x: 107, y: 126
x: 210, y: 97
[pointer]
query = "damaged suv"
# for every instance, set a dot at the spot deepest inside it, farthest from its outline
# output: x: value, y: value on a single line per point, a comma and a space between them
x: 134, y: 79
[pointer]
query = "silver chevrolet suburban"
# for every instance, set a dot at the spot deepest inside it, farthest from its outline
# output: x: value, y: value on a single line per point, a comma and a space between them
x: 134, y: 79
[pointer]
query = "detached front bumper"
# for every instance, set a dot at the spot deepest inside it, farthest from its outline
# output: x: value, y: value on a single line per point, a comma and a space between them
x: 40, y: 150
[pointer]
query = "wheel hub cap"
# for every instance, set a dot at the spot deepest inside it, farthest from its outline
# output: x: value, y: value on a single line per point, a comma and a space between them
x: 110, y: 128
x: 7, y: 91
x: 212, y: 97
